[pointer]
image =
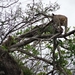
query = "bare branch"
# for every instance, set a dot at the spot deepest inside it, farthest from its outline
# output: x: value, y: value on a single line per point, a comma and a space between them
x: 9, y: 4
x: 29, y: 54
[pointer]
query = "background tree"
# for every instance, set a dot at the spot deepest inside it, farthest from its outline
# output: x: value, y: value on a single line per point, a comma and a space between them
x: 36, y: 46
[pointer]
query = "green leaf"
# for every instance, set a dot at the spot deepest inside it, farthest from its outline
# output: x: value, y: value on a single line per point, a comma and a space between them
x: 62, y: 52
x: 41, y: 73
x: 35, y: 52
x: 48, y: 46
x: 68, y: 71
x: 4, y: 48
x: 74, y: 63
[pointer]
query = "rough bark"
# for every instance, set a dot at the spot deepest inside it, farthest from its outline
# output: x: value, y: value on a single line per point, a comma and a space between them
x: 8, y: 66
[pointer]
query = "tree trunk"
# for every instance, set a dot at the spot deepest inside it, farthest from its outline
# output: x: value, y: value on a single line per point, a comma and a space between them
x: 8, y: 65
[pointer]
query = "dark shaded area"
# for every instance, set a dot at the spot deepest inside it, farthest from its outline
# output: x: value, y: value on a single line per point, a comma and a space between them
x: 8, y: 66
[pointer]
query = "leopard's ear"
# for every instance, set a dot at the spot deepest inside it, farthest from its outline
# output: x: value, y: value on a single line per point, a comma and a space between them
x: 52, y: 14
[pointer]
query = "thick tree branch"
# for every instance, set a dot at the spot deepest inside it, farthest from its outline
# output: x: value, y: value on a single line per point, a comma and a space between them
x: 25, y: 42
x: 67, y: 34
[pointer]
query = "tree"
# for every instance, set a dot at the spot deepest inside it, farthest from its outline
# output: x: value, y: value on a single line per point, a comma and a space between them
x: 37, y: 45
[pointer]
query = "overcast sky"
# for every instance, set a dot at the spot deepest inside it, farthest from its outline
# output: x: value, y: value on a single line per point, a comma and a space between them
x: 67, y: 8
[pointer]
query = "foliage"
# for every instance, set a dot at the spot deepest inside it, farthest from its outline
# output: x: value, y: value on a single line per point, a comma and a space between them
x: 41, y: 73
x: 27, y: 71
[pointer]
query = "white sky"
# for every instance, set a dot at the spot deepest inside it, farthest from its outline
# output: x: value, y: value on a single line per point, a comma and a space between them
x: 67, y: 8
